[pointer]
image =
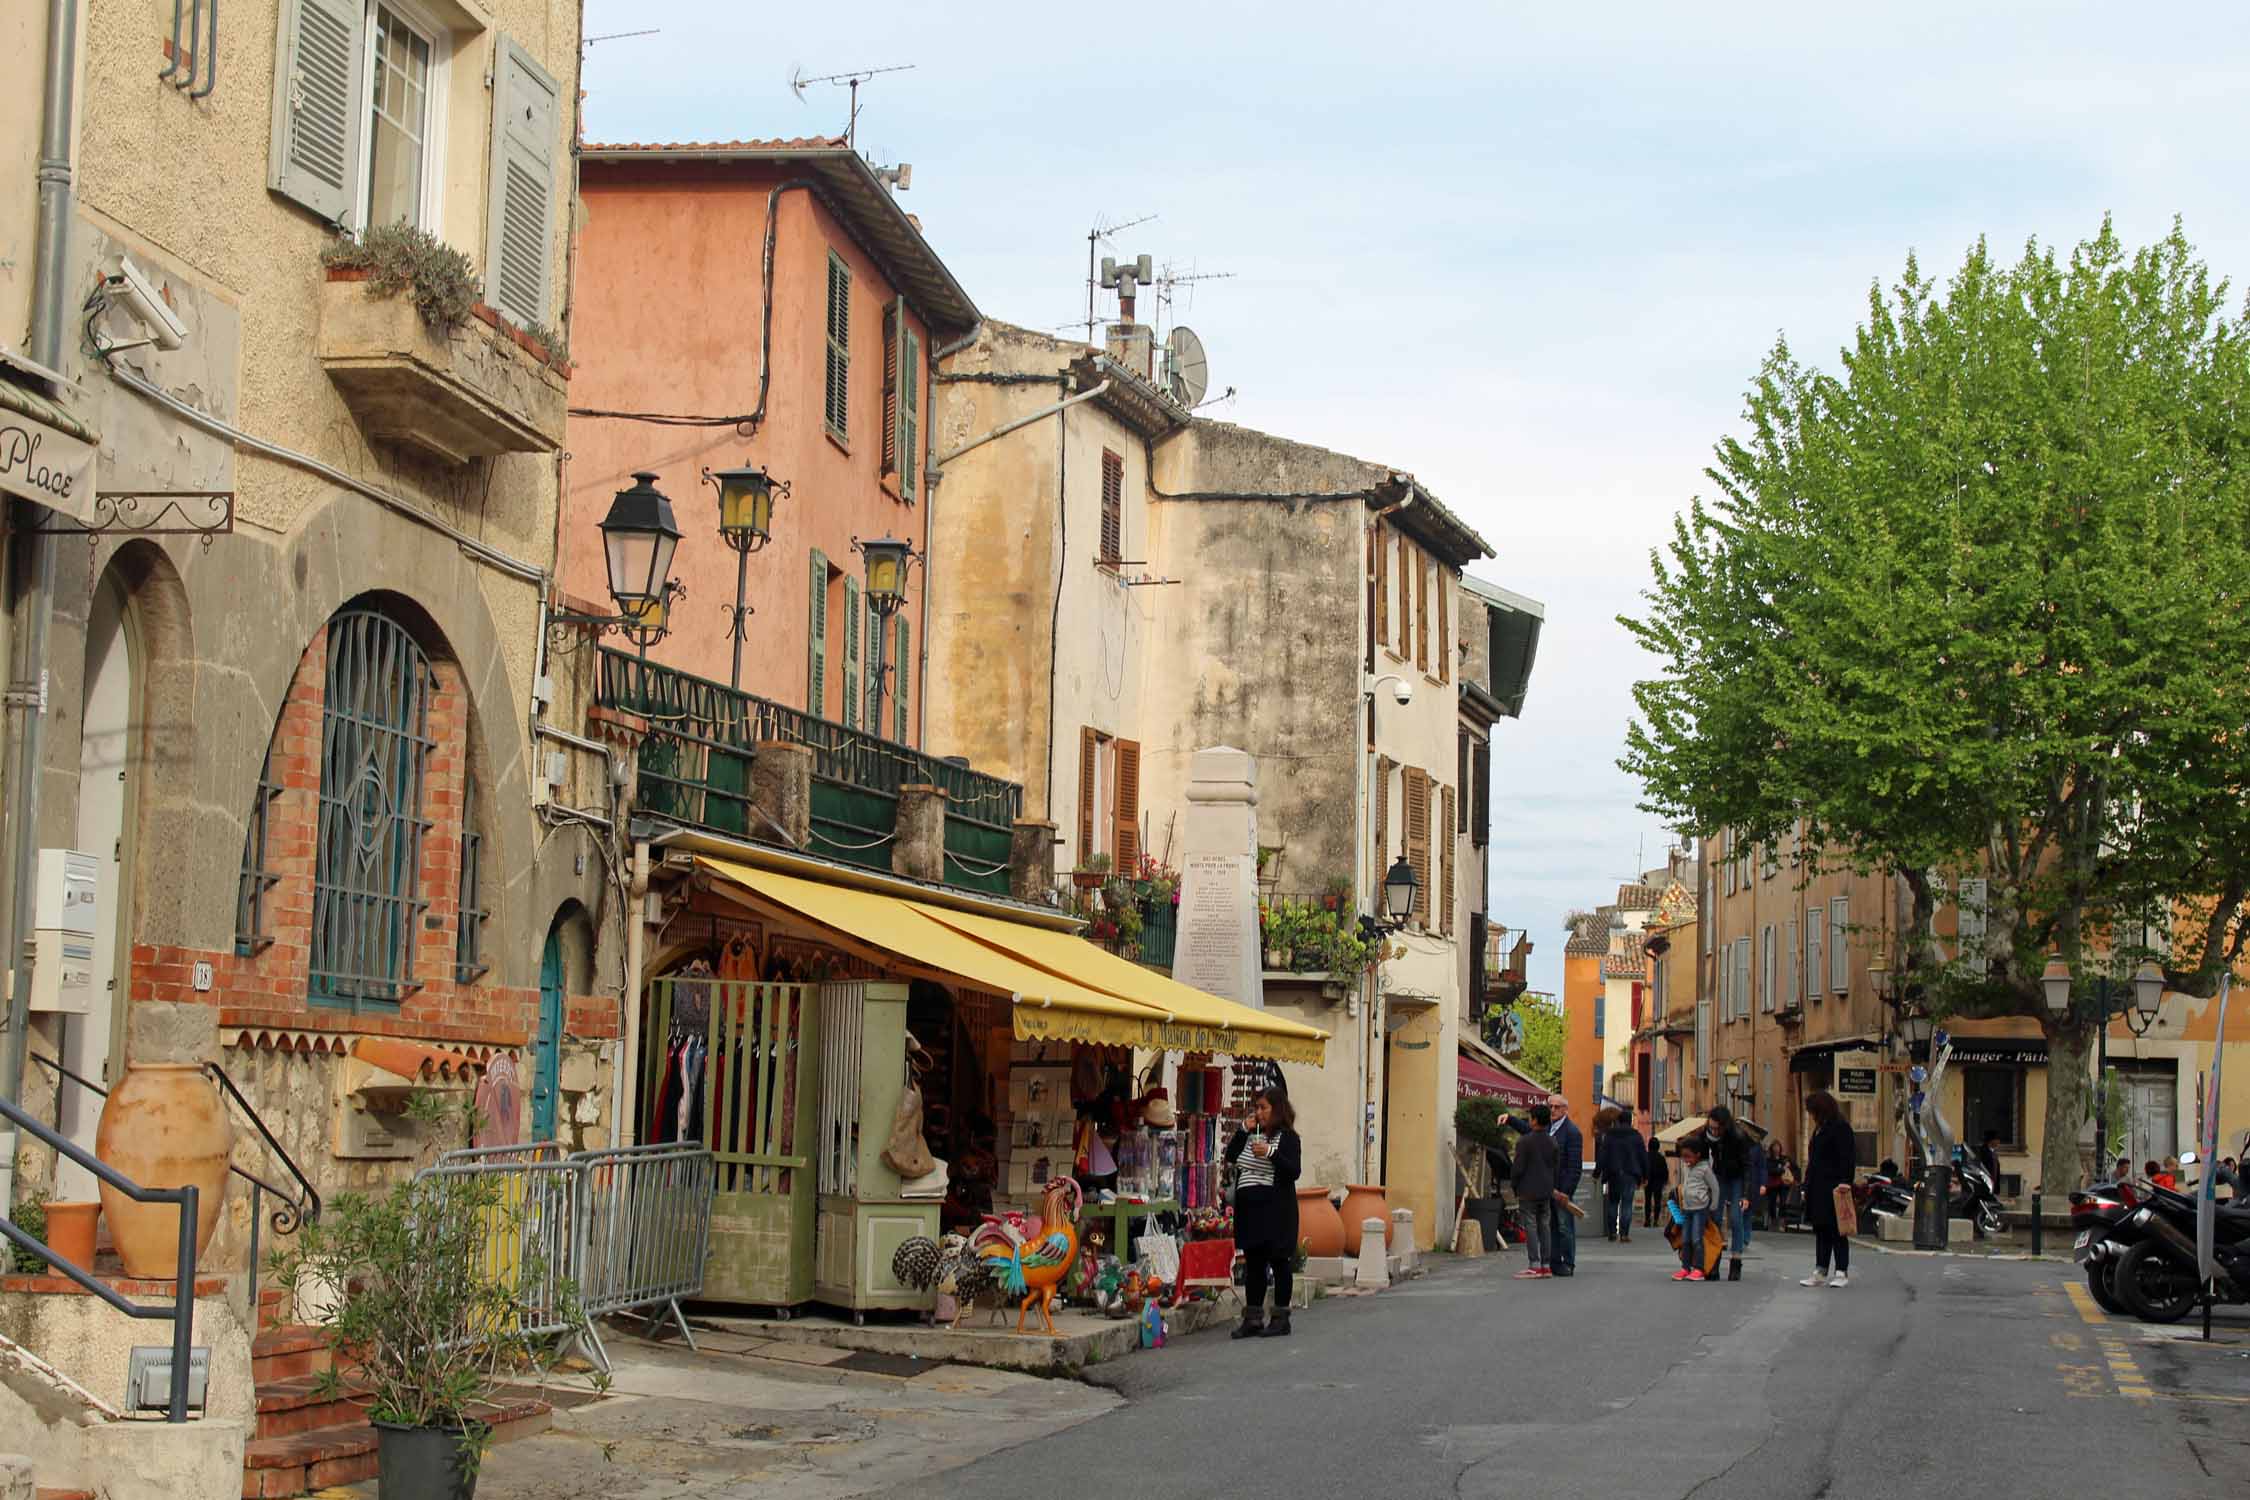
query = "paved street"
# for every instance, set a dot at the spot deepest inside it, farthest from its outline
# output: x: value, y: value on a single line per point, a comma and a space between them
x: 1929, y: 1375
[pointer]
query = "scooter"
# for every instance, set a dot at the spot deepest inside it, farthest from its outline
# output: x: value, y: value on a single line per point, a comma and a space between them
x: 2158, y: 1277
x: 1975, y: 1196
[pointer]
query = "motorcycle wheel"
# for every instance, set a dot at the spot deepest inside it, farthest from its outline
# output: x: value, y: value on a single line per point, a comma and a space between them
x: 2105, y: 1297
x: 2154, y: 1286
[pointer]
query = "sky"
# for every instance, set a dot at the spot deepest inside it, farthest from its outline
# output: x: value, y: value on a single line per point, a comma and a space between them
x: 1531, y: 254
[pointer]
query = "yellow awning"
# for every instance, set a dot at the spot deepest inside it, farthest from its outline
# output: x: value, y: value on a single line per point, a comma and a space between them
x: 1246, y: 1032
x: 1048, y: 1004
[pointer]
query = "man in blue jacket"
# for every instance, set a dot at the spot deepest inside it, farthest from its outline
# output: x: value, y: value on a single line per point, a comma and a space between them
x: 1570, y: 1165
x: 1620, y: 1162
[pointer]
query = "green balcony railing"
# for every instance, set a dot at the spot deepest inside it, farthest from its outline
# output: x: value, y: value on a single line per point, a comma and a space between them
x: 702, y: 736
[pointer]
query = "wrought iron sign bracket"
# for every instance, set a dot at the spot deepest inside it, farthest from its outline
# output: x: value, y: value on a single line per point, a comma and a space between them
x: 201, y: 513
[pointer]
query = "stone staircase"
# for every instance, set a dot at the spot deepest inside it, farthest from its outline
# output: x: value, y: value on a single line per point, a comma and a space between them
x: 305, y: 1441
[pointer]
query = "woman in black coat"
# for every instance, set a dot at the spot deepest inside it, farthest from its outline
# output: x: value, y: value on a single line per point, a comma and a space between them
x: 1265, y: 1154
x: 1831, y: 1161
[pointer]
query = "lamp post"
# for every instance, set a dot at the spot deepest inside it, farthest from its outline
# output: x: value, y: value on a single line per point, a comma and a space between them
x: 746, y: 497
x: 888, y: 561
x: 2140, y: 1018
x: 639, y: 537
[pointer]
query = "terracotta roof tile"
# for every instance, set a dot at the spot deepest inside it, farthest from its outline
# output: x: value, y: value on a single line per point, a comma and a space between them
x: 1639, y: 897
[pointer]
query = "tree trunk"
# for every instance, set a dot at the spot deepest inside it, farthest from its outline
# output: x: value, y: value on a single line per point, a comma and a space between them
x: 2070, y: 1050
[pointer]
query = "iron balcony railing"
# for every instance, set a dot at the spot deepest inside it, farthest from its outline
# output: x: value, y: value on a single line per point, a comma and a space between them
x: 702, y: 736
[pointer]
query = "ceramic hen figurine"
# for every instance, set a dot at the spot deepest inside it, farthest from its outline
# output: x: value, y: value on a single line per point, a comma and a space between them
x: 1032, y: 1268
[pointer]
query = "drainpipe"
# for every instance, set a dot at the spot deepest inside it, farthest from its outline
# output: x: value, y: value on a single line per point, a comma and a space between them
x: 627, y: 1108
x: 27, y: 679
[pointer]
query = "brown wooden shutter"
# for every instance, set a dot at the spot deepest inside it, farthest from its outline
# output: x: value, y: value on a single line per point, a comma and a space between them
x: 891, y: 330
x: 1418, y: 839
x: 1128, y: 840
x: 1113, y: 507
x: 1452, y: 839
x: 1382, y: 861
x: 1444, y: 627
x: 1405, y: 597
x: 1422, y: 615
x: 1089, y: 759
x: 1382, y: 546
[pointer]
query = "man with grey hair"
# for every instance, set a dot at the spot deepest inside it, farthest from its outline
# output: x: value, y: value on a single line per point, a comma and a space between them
x: 1570, y: 1165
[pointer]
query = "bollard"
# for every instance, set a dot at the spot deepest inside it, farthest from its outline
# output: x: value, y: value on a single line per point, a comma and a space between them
x: 1933, y: 1204
x: 2038, y: 1225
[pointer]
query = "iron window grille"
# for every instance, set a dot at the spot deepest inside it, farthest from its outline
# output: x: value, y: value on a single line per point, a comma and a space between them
x: 468, y: 946
x: 375, y: 748
x: 250, y: 934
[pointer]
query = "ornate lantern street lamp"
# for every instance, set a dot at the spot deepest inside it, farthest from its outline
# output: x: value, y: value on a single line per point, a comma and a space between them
x: 888, y: 562
x: 639, y: 537
x: 746, y: 497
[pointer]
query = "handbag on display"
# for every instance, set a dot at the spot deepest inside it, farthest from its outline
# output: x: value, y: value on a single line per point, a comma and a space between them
x: 906, y: 1153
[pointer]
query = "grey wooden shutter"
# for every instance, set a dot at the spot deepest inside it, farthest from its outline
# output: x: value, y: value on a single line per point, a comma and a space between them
x: 1742, y: 976
x: 909, y: 408
x: 855, y: 677
x: 317, y: 112
x: 816, y: 634
x: 519, y: 253
x: 1724, y: 976
x: 1793, y: 971
x: 1839, y: 948
x: 1765, y: 970
x: 1815, y: 921
x: 904, y: 658
x: 1703, y: 1037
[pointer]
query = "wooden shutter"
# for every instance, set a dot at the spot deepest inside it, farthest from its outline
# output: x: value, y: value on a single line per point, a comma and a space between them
x: 1113, y: 507
x: 1382, y: 830
x: 1742, y: 976
x: 1422, y: 614
x: 1405, y: 598
x: 1382, y: 545
x: 1792, y: 971
x: 1839, y: 946
x: 1444, y: 626
x: 816, y: 638
x: 1127, y: 842
x: 519, y: 258
x: 855, y: 671
x: 903, y: 659
x: 1089, y: 765
x: 317, y: 113
x: 1766, y: 1000
x: 839, y: 404
x: 1417, y: 812
x: 894, y: 324
x: 1480, y: 795
x: 1451, y: 838
x: 910, y: 416
x: 1816, y: 922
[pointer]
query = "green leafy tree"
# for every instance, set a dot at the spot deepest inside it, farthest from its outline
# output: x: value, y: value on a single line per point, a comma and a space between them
x: 1543, y: 1030
x: 1976, y: 606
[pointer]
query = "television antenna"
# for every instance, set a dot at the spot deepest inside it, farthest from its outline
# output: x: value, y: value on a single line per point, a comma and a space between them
x: 1100, y: 233
x: 619, y: 36
x: 798, y: 83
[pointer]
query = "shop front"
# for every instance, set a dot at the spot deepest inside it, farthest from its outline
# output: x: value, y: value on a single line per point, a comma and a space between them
x: 874, y: 1061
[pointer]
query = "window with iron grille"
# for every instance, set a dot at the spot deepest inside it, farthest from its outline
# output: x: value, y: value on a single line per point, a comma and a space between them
x: 375, y: 749
x: 1113, y: 507
x: 250, y: 932
x: 468, y: 942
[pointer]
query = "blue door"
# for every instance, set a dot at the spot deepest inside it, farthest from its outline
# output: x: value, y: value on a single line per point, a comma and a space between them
x: 546, y: 1054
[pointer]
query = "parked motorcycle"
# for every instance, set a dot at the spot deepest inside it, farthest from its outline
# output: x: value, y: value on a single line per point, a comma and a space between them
x: 1975, y: 1196
x: 2098, y: 1214
x: 2157, y: 1276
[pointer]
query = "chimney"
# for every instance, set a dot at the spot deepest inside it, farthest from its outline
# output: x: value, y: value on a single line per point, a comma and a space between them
x: 1133, y: 345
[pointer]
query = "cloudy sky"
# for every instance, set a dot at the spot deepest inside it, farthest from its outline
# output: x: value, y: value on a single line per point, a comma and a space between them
x: 1532, y: 254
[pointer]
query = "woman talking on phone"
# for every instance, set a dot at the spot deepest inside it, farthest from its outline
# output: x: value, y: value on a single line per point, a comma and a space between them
x: 1264, y: 1154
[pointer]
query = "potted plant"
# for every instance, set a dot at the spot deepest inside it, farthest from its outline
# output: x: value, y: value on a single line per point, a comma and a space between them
x: 421, y: 1290
x: 1092, y: 872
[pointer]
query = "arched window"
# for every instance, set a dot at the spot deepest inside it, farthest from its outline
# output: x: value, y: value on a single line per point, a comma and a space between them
x: 375, y: 748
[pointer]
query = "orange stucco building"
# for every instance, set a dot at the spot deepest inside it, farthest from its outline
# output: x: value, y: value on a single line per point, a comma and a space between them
x: 762, y: 303
x: 1583, y: 985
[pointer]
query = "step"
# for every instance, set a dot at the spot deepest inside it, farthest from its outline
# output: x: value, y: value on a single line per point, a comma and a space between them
x: 49, y: 1492
x: 306, y: 1461
x: 296, y: 1404
x: 273, y: 1302
x: 281, y: 1353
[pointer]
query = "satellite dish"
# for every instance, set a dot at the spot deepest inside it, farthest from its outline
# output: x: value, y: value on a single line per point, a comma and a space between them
x: 1187, y: 374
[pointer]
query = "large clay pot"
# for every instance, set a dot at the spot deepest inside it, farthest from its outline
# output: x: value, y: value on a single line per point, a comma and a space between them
x: 1318, y: 1223
x: 1364, y: 1201
x: 163, y: 1127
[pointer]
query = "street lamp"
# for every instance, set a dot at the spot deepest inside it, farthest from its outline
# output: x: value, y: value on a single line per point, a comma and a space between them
x: 2140, y: 1018
x: 888, y: 561
x: 638, y: 540
x: 746, y: 497
x: 1399, y: 889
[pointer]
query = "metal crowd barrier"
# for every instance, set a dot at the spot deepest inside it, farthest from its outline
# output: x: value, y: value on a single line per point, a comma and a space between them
x: 621, y: 1230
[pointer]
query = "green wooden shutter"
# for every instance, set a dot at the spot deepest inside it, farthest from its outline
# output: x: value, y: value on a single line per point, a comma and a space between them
x: 854, y: 677
x: 314, y: 155
x: 519, y: 257
x: 909, y: 409
x: 839, y: 346
x: 903, y: 659
x: 816, y: 633
x: 894, y: 317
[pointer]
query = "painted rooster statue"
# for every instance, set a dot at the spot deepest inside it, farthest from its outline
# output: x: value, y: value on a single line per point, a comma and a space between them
x: 1031, y: 1266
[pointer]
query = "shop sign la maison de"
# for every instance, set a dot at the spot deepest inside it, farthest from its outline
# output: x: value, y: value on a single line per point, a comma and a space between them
x: 46, y: 465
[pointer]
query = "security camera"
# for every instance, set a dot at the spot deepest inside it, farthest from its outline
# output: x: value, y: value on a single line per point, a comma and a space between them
x: 147, y: 305
x: 1402, y: 691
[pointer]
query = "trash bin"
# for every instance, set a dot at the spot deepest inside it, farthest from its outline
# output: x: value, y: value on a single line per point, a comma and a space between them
x: 1933, y: 1202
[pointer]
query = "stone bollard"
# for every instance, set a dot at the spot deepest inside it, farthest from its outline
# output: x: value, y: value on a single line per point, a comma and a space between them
x: 1402, y: 1240
x: 1374, y: 1268
x: 918, y: 853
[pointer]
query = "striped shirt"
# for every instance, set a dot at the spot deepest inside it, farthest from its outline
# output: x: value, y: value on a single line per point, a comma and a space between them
x: 1252, y: 1169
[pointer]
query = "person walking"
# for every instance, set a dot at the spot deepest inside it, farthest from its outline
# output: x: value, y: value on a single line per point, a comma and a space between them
x: 1534, y: 1179
x: 1699, y: 1190
x: 1620, y: 1162
x: 1266, y: 1154
x: 1570, y: 1166
x: 1741, y: 1168
x: 1830, y: 1160
x: 1781, y: 1176
x: 1659, y: 1174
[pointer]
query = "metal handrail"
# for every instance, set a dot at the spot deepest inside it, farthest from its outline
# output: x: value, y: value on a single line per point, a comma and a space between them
x: 182, y: 1310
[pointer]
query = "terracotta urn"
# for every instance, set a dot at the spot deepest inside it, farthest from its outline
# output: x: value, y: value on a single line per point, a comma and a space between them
x: 70, y: 1232
x: 163, y: 1127
x: 1318, y: 1223
x: 1364, y: 1201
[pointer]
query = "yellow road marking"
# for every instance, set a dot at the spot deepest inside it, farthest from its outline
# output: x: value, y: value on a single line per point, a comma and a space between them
x: 2083, y: 1300
x: 2119, y: 1359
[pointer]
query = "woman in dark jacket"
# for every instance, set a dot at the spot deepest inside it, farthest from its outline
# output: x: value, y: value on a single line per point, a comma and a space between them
x: 1265, y: 1154
x: 1831, y: 1160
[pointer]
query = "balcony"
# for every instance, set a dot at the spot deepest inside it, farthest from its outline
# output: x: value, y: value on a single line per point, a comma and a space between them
x: 695, y: 770
x: 480, y: 390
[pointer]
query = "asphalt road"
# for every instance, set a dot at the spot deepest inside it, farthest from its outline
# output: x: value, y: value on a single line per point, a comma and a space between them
x: 1928, y: 1376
